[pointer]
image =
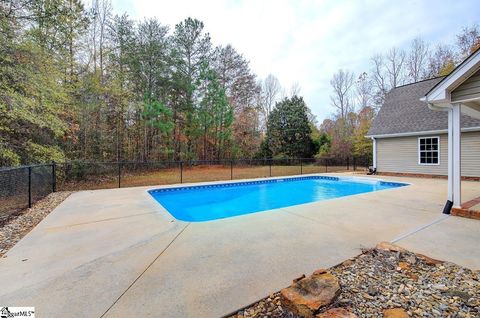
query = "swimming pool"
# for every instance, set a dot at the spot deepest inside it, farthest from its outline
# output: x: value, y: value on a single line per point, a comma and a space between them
x: 218, y: 201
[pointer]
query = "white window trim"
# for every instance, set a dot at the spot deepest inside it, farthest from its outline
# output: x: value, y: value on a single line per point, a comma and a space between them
x: 418, y: 150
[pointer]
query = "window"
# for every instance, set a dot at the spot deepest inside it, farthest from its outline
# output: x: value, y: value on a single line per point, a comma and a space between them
x: 429, y: 150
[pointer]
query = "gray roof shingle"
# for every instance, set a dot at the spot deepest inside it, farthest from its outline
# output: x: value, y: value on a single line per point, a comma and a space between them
x: 403, y: 112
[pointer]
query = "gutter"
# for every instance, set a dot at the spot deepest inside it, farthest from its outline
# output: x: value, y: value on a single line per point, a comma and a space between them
x: 445, y: 106
x: 420, y: 133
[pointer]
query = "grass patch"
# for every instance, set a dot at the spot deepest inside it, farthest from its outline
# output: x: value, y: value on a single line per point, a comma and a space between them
x: 192, y: 174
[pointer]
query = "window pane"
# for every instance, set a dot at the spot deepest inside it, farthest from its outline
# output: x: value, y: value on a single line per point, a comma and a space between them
x: 428, y: 150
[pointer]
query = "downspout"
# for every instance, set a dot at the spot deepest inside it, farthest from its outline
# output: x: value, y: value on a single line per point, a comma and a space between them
x: 373, y: 169
x: 374, y: 153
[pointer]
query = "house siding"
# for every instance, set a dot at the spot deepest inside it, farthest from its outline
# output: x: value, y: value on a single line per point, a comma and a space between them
x: 468, y: 89
x: 400, y: 155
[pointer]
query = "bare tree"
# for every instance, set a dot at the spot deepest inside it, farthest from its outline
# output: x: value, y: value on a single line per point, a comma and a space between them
x: 468, y: 40
x: 417, y: 60
x: 441, y: 62
x: 235, y: 76
x: 395, y: 63
x: 259, y: 102
x: 364, y: 90
x: 271, y: 89
x: 101, y: 12
x: 379, y: 78
x: 295, y: 89
x: 105, y: 16
x: 342, y: 83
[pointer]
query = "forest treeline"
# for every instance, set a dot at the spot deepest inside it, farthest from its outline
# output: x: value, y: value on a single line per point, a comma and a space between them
x: 82, y: 83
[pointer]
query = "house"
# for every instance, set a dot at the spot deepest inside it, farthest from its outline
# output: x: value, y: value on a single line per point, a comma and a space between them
x: 432, y: 128
x: 411, y: 139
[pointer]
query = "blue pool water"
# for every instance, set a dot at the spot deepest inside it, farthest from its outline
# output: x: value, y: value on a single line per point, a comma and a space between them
x: 217, y: 201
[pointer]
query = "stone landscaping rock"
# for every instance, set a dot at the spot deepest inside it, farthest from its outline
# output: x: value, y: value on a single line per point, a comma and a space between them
x: 403, y: 265
x: 395, y: 313
x: 387, y: 246
x: 428, y: 260
x: 348, y: 262
x: 298, y: 278
x: 305, y: 297
x: 337, y: 313
x: 372, y: 287
x: 412, y: 276
x: 460, y: 294
x: 319, y: 271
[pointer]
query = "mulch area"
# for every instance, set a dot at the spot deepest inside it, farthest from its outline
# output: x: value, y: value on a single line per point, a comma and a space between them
x: 380, y: 279
x: 17, y: 226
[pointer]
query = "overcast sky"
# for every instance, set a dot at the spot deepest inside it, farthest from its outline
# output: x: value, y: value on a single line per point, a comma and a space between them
x: 307, y: 41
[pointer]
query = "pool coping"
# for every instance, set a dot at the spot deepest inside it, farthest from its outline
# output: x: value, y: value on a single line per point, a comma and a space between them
x: 225, y: 183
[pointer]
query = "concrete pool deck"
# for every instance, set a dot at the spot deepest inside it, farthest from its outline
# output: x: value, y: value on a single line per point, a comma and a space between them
x: 117, y: 253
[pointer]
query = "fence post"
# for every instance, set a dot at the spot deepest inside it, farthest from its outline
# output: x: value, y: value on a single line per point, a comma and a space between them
x: 29, y: 186
x: 54, y: 176
x: 119, y: 173
x: 181, y: 171
x: 348, y: 163
x: 301, y: 167
x: 231, y: 169
x: 326, y: 165
x: 354, y: 164
x: 270, y: 166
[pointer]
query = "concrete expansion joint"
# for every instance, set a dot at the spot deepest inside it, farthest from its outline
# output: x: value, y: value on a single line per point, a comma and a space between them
x: 421, y: 228
x: 145, y: 270
x: 299, y: 215
x: 98, y: 221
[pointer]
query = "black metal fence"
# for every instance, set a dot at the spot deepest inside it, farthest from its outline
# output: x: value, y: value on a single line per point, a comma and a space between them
x: 20, y: 187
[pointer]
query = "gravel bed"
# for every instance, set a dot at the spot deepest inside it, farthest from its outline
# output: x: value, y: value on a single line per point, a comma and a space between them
x: 16, y: 227
x: 378, y: 280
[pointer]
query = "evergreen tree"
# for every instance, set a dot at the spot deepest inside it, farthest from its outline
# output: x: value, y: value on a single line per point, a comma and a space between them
x: 215, y: 115
x: 191, y: 48
x: 288, y: 130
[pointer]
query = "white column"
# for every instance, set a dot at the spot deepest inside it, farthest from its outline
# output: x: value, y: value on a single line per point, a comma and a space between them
x: 456, y: 156
x: 450, y: 155
x: 374, y: 153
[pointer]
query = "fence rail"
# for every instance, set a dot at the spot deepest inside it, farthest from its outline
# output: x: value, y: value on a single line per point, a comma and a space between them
x: 21, y: 186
